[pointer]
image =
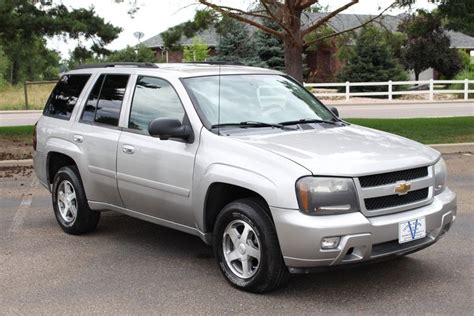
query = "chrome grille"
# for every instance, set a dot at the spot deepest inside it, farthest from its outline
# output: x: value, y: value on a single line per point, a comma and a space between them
x: 395, y: 199
x: 393, y: 177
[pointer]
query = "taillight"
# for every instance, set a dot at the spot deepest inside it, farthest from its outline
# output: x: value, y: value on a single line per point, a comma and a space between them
x: 34, y: 137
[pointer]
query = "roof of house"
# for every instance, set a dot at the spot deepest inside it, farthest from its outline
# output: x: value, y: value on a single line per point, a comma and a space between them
x: 338, y: 23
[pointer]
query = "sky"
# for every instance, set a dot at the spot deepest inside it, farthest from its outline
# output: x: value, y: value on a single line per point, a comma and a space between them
x: 156, y: 16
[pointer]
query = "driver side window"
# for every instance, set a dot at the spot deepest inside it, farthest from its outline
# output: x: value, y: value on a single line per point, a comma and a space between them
x: 153, y: 98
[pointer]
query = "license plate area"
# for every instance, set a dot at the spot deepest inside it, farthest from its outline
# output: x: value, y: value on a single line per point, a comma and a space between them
x: 411, y: 230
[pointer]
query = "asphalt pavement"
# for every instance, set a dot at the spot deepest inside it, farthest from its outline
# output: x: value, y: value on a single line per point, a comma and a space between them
x: 383, y: 110
x: 132, y: 267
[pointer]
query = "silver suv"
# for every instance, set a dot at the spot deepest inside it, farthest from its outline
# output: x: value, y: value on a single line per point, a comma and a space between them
x: 246, y: 159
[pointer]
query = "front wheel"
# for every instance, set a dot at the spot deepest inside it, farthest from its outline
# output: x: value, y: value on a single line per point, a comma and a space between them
x: 247, y: 249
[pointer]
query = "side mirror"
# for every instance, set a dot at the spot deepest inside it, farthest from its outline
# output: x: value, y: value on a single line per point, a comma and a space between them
x: 334, y: 111
x: 166, y: 128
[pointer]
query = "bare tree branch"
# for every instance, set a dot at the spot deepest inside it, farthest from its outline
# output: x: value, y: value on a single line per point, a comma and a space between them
x: 303, y: 4
x: 274, y: 17
x: 329, y: 16
x: 306, y: 44
x: 234, y: 13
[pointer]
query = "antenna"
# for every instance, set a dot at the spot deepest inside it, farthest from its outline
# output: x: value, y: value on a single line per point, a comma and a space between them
x: 139, y: 36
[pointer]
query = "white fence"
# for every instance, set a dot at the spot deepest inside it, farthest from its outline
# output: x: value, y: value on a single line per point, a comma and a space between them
x: 431, y: 91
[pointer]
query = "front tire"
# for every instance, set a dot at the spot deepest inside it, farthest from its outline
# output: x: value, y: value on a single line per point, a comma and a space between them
x: 70, y: 204
x: 246, y: 247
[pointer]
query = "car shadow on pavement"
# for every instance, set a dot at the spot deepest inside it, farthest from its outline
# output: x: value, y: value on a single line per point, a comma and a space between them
x: 333, y: 286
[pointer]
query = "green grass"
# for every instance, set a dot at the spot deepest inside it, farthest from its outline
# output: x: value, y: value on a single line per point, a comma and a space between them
x: 426, y: 130
x: 16, y: 131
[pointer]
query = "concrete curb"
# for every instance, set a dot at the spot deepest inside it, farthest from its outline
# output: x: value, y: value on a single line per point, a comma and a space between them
x: 14, y: 163
x: 20, y: 112
x: 455, y: 148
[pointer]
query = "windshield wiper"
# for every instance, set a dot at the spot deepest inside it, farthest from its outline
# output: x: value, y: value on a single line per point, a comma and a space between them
x: 250, y: 124
x: 308, y: 120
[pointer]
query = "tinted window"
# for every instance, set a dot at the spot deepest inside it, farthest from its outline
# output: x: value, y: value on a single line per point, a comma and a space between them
x: 89, y: 109
x: 153, y: 98
x: 65, y: 94
x: 110, y: 100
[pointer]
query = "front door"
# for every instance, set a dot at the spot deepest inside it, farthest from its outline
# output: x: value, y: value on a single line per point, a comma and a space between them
x: 155, y: 176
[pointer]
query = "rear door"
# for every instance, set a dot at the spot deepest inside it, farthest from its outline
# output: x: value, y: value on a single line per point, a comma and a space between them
x: 155, y: 176
x: 97, y: 134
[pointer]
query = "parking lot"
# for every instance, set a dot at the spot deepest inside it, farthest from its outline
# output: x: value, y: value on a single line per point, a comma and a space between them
x: 129, y: 266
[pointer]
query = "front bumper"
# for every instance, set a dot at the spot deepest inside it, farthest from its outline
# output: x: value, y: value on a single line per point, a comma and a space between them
x: 362, y: 238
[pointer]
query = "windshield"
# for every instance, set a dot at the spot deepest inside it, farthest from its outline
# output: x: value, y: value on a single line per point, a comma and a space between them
x: 268, y: 99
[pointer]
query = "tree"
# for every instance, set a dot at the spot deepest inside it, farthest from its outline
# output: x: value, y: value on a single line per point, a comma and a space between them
x: 427, y: 46
x: 236, y: 44
x: 292, y: 32
x: 24, y: 24
x: 270, y: 49
x: 139, y: 54
x: 459, y: 15
x: 197, y: 51
x: 372, y: 60
x: 4, y: 63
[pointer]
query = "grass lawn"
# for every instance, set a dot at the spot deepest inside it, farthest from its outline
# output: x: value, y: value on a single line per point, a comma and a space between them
x: 17, y: 141
x: 13, y: 97
x: 426, y: 130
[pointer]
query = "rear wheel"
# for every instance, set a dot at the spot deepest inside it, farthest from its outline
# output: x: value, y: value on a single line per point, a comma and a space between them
x: 70, y: 204
x: 247, y: 249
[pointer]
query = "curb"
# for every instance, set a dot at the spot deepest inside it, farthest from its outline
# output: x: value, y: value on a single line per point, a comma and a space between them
x: 20, y: 112
x: 455, y: 148
x: 14, y: 163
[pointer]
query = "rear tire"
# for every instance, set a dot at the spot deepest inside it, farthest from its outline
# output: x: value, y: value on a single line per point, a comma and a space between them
x: 246, y: 247
x: 70, y: 204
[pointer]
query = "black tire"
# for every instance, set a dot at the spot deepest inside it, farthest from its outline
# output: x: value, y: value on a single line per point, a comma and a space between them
x: 85, y: 220
x: 270, y: 272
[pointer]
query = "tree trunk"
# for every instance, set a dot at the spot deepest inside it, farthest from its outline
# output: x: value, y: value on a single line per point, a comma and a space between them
x: 293, y: 43
x: 294, y: 59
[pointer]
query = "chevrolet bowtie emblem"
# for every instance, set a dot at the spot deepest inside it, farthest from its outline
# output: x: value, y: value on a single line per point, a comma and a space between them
x: 402, y: 188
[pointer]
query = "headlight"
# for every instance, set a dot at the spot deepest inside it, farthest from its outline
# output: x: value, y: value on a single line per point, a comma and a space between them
x: 441, y: 175
x: 326, y: 196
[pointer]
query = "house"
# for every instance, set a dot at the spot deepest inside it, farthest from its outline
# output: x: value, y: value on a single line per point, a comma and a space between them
x: 323, y: 62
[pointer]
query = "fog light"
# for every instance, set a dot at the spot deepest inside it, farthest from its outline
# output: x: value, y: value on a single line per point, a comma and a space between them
x: 330, y: 242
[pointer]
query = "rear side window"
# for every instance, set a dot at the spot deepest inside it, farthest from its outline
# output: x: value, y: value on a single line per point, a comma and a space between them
x: 64, y: 97
x: 105, y: 100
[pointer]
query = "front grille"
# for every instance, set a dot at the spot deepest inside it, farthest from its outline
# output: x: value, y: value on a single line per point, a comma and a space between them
x: 392, y: 177
x: 395, y: 200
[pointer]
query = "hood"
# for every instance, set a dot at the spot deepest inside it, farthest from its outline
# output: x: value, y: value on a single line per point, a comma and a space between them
x: 345, y: 151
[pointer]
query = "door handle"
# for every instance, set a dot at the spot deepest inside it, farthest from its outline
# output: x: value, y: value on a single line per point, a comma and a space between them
x: 128, y: 149
x: 78, y: 138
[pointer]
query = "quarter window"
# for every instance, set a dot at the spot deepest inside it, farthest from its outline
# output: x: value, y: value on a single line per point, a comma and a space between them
x: 64, y: 96
x: 153, y: 98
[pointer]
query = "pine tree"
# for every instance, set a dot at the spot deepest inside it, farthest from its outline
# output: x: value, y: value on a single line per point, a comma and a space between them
x: 235, y: 43
x: 371, y: 61
x: 270, y: 49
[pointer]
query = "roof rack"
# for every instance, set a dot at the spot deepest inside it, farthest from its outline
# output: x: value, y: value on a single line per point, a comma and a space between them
x: 231, y: 63
x: 121, y: 64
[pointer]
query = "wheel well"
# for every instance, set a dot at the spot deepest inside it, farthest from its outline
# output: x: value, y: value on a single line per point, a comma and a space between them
x: 55, y: 162
x: 221, y: 194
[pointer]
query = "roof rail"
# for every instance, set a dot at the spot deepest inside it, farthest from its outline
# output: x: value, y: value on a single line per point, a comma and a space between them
x: 231, y: 63
x: 121, y: 64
